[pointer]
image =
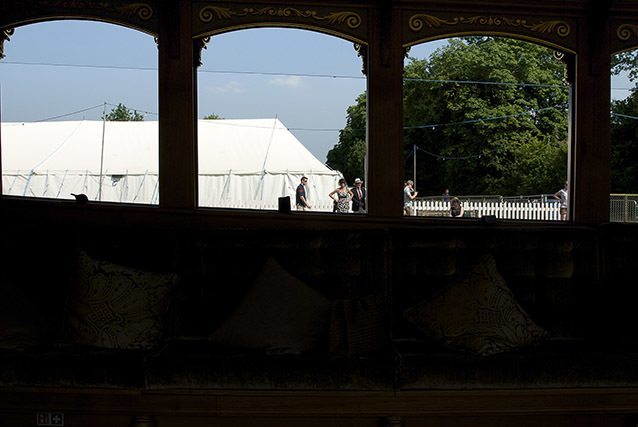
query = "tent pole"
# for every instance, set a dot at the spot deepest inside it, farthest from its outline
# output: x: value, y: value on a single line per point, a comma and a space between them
x: 57, y: 196
x: 263, y: 167
x: 99, y: 192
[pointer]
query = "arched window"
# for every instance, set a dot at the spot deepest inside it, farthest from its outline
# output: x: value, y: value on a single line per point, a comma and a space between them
x: 486, y: 122
x: 274, y: 107
x: 623, y: 201
x: 79, y: 113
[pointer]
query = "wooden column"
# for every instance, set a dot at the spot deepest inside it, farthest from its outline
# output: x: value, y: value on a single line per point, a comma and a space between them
x: 590, y: 181
x: 385, y: 168
x: 177, y: 112
x: 4, y: 36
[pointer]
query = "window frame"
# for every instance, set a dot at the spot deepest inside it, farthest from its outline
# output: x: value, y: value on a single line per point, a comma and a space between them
x: 386, y: 31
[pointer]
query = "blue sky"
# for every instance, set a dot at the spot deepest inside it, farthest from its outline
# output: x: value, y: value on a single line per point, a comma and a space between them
x: 32, y: 92
x: 121, y: 68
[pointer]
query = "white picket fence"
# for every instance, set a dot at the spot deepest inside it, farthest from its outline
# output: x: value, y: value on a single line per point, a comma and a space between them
x: 624, y: 208
x: 523, y: 209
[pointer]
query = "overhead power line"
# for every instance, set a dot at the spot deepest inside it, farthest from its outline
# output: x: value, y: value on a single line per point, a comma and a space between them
x: 476, y: 156
x: 301, y: 129
x: 486, y: 119
x: 137, y: 110
x: 444, y: 157
x: 624, y: 116
x: 486, y: 83
x: 69, y: 114
x: 282, y: 74
x: 94, y: 107
x: 60, y: 64
x: 267, y: 73
x: 132, y: 68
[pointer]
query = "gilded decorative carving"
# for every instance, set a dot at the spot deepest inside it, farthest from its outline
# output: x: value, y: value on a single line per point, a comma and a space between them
x: 362, y: 52
x: 210, y: 13
x: 198, y: 46
x: 5, y: 36
x: 419, y: 21
x: 626, y: 31
x: 142, y: 11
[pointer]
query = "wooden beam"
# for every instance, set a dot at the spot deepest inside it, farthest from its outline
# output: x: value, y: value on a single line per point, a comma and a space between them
x: 590, y: 158
x: 385, y: 164
x: 177, y: 113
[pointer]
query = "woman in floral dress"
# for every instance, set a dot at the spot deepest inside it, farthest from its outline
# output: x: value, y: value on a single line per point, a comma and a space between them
x: 344, y: 195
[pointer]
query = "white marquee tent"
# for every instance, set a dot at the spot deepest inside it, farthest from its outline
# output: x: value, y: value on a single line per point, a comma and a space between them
x: 242, y: 163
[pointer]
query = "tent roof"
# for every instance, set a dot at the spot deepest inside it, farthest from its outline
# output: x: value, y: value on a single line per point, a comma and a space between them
x: 225, y: 146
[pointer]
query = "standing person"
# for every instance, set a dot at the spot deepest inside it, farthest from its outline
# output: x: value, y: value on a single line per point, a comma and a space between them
x: 301, y: 197
x: 344, y: 195
x: 446, y: 195
x: 408, y: 195
x: 563, y: 196
x: 359, y: 197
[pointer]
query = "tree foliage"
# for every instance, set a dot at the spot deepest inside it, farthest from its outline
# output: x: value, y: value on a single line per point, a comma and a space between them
x: 123, y: 114
x: 473, y: 133
x: 625, y: 62
x: 487, y: 138
x: 213, y: 117
x: 348, y: 155
x: 624, y: 145
x: 624, y: 128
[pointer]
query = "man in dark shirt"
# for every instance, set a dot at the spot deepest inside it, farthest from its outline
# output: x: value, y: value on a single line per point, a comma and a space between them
x: 301, y: 198
x: 359, y: 197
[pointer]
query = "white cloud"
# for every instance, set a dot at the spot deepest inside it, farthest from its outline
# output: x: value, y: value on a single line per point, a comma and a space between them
x: 230, y: 87
x: 288, y: 81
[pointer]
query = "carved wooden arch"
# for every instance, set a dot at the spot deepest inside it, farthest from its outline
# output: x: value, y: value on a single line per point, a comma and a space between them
x: 624, y: 36
x: 201, y: 41
x: 343, y: 22
x: 555, y: 33
x: 140, y: 16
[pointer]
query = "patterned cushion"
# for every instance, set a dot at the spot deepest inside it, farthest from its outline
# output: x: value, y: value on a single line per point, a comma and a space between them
x: 478, y: 313
x: 279, y: 314
x: 113, y: 306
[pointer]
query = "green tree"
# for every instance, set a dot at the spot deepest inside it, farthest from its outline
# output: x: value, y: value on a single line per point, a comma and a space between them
x: 624, y: 128
x: 213, y: 117
x: 625, y: 62
x: 122, y: 114
x: 348, y: 155
x: 484, y: 137
x: 624, y: 144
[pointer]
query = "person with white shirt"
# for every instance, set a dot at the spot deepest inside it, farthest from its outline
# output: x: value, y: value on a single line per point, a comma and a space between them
x: 563, y: 196
x: 408, y: 195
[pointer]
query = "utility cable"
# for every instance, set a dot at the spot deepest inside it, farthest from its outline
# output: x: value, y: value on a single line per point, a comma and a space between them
x: 485, y: 119
x: 133, y: 109
x: 443, y: 157
x: 624, y: 116
x: 301, y: 129
x: 267, y: 73
x: 68, y: 114
x: 485, y: 83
